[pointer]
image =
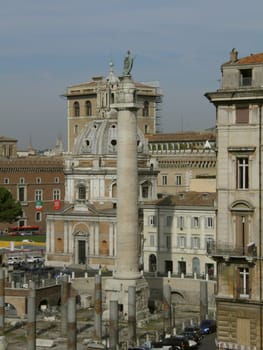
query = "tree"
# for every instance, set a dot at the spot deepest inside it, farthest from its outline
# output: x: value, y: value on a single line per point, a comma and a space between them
x: 10, y: 210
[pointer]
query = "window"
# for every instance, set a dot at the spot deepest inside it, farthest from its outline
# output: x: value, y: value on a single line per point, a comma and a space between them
x: 6, y: 181
x: 146, y: 129
x: 209, y: 243
x: 56, y: 180
x: 88, y: 108
x: 209, y: 222
x: 76, y: 130
x: 242, y: 173
x: 38, y: 180
x: 152, y: 220
x: 82, y: 192
x: 145, y: 111
x: 169, y: 220
x: 38, y: 216
x: 56, y: 194
x: 178, y: 180
x: 245, y: 77
x: 180, y: 222
x: 146, y: 189
x: 76, y: 109
x: 164, y: 180
x: 22, y: 194
x: 114, y: 190
x: 152, y: 241
x: 243, y: 289
x: 22, y: 180
x: 181, y: 241
x: 195, y: 222
x: 38, y: 195
x: 168, y: 241
x: 242, y: 233
x: 242, y: 115
x: 195, y: 243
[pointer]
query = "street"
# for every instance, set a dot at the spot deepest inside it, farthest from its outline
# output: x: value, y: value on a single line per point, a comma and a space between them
x: 208, y: 342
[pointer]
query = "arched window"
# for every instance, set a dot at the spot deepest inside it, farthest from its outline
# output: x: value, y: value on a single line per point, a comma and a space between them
x: 76, y: 130
x: 146, y: 129
x: 82, y: 192
x: 76, y: 108
x: 145, y: 111
x: 114, y: 191
x: 88, y: 108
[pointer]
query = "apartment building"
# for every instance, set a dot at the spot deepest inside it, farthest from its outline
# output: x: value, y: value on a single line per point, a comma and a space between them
x: 177, y: 230
x: 238, y: 246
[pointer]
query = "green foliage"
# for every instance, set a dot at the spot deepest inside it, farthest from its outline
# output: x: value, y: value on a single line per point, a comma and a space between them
x: 10, y: 210
x: 34, y: 238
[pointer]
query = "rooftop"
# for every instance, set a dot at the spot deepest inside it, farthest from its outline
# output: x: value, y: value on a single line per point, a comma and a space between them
x: 183, y: 136
x: 188, y: 198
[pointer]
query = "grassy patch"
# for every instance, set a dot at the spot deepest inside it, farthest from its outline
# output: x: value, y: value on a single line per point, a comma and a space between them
x: 36, y: 238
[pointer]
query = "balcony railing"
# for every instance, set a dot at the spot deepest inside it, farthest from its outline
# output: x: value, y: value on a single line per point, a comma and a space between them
x: 245, y: 81
x: 231, y: 250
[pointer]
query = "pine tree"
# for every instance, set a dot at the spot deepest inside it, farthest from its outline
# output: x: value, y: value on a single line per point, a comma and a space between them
x: 10, y: 210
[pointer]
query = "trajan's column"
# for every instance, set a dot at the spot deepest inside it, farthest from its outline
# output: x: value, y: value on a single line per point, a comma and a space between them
x: 126, y: 271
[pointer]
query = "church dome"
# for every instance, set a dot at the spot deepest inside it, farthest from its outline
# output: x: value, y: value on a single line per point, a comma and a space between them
x: 100, y: 137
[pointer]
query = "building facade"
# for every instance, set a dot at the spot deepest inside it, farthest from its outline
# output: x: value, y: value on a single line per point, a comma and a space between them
x: 177, y: 230
x: 85, y: 232
x: 186, y: 161
x: 37, y: 182
x: 238, y: 246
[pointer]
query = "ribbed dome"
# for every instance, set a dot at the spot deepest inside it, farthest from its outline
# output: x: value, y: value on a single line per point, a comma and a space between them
x: 100, y: 137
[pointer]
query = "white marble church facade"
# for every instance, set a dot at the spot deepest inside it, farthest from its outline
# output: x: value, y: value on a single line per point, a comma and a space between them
x: 84, y: 231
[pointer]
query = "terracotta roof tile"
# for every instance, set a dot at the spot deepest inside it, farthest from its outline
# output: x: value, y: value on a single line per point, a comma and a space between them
x: 251, y: 59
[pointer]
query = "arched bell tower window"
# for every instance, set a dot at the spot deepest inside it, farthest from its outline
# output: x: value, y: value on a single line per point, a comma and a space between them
x: 145, y: 111
x: 76, y: 108
x: 88, y: 108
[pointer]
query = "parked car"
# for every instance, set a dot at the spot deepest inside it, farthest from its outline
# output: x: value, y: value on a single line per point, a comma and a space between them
x: 191, y: 336
x: 194, y: 332
x: 179, y: 342
x: 14, y: 260
x: 35, y: 259
x: 208, y: 326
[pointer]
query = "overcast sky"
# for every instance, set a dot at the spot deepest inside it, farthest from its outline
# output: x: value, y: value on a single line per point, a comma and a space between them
x: 46, y: 46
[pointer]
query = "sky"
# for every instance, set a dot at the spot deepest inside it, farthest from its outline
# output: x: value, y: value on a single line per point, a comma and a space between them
x: 49, y: 45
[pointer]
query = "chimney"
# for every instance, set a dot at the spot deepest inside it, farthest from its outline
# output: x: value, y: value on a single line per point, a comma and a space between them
x: 233, y: 55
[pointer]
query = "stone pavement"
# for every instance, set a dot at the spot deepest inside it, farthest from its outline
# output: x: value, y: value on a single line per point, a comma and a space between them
x: 50, y: 330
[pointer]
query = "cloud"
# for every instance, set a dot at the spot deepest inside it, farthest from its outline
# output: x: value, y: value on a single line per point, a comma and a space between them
x: 49, y: 45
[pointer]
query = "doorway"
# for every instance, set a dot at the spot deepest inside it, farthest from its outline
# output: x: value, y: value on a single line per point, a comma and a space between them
x: 168, y: 266
x: 81, y: 252
x: 181, y: 267
x: 152, y: 263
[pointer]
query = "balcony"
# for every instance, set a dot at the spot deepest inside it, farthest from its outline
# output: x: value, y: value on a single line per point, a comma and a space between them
x: 227, y: 251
